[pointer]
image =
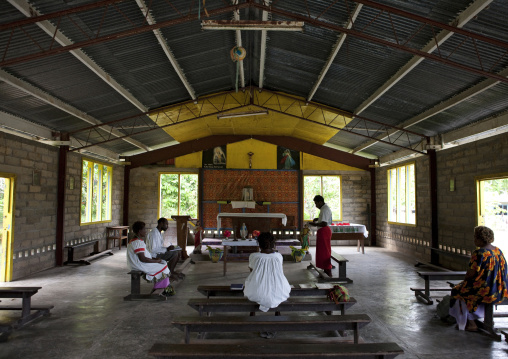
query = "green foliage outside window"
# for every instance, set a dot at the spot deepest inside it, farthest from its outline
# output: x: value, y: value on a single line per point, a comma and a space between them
x: 178, y: 194
x: 402, y: 194
x: 327, y: 186
x: 95, y: 192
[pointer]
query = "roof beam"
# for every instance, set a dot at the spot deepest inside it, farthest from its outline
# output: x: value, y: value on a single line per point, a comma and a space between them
x: 463, y: 18
x: 29, y: 11
x: 440, y: 107
x: 20, y: 127
x: 392, y: 43
x: 165, y: 47
x: 335, y: 51
x: 212, y: 141
x: 238, y: 37
x: 262, y: 55
x: 53, y: 101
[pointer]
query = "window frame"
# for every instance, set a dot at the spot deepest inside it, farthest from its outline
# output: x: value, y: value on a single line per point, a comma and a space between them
x: 179, y: 173
x: 109, y: 202
x: 397, y: 199
x: 321, y: 193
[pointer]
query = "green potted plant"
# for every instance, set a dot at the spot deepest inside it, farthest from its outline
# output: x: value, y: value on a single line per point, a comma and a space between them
x: 215, y: 253
x: 298, y: 253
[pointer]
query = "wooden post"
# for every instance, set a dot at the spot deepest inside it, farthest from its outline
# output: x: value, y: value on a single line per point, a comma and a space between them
x: 181, y: 233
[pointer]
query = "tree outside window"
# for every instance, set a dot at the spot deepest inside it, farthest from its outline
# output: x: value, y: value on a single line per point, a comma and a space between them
x: 95, y: 192
x: 402, y: 194
x: 178, y: 194
x: 327, y: 186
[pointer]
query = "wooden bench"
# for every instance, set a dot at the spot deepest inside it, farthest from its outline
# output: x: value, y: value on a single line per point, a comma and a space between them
x: 136, y: 289
x: 94, y: 254
x: 436, y: 267
x: 271, y: 324
x: 25, y: 293
x: 342, y: 263
x: 293, y: 304
x: 429, y: 276
x: 276, y: 351
x: 226, y: 291
x: 488, y: 321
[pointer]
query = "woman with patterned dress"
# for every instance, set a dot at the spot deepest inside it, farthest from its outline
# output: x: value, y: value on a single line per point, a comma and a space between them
x: 139, y: 258
x: 486, y: 281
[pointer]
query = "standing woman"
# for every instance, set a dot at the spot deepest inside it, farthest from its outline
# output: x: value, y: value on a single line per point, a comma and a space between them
x: 486, y: 281
x: 139, y: 258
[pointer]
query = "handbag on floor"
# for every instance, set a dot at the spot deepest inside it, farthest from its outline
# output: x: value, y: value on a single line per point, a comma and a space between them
x: 338, y: 294
x: 443, y: 310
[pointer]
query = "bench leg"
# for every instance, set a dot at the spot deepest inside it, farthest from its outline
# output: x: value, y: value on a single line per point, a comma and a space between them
x: 356, y: 333
x: 186, y: 335
x: 26, y: 305
x: 135, y: 283
x: 488, y: 322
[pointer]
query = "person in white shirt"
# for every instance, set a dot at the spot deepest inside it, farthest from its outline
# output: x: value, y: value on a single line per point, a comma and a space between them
x: 138, y: 258
x: 266, y: 284
x: 155, y: 245
x: 323, y: 236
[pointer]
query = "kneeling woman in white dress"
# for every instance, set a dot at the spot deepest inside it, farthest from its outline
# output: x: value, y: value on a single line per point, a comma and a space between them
x: 266, y: 284
x: 139, y: 258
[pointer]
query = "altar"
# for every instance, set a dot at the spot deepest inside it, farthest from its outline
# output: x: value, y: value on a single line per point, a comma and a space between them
x: 253, y: 221
x: 350, y: 231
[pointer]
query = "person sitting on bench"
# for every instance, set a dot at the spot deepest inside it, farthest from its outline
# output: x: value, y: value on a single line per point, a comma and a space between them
x: 266, y: 284
x: 139, y: 258
x: 486, y: 281
x: 155, y: 245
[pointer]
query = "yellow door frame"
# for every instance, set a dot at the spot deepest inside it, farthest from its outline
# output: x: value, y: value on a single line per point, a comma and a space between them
x: 7, y: 228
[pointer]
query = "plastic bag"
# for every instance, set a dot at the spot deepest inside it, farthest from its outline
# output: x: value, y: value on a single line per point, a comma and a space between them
x: 443, y: 310
x: 338, y: 294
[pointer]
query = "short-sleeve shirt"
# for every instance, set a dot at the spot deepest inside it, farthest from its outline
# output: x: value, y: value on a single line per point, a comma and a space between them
x: 325, y: 214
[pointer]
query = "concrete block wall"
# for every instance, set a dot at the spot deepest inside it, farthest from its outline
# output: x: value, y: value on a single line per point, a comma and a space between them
x: 34, y: 235
x: 456, y: 210
x: 74, y: 232
x: 34, y: 205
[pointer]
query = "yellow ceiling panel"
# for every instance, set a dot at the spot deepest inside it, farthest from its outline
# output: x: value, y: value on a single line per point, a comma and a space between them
x: 289, y: 123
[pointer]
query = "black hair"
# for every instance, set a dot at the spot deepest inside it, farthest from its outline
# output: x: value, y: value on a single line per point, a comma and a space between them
x: 319, y: 198
x: 137, y: 226
x: 161, y: 220
x: 266, y: 240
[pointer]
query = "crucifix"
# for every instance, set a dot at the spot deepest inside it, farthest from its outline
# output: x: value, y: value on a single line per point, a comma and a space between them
x: 250, y: 154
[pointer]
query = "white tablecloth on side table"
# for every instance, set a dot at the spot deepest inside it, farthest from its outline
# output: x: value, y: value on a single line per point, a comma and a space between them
x: 352, y: 228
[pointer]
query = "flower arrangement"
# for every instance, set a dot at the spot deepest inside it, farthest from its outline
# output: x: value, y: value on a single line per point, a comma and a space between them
x: 298, y: 251
x: 256, y: 233
x: 214, y: 250
x: 227, y: 234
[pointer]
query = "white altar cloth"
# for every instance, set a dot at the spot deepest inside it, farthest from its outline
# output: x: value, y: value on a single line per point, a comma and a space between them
x: 243, y: 204
x: 282, y: 216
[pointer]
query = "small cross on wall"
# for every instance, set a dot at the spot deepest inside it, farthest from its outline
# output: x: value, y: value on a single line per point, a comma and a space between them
x: 250, y: 154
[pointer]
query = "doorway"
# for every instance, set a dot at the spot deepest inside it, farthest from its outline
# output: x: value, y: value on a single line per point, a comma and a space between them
x: 7, y: 183
x: 492, y: 194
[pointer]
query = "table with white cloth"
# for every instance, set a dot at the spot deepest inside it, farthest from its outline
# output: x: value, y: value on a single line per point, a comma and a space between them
x: 350, y: 232
x: 253, y: 221
x: 238, y: 250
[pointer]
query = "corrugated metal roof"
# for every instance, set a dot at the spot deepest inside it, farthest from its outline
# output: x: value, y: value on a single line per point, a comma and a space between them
x: 294, y: 61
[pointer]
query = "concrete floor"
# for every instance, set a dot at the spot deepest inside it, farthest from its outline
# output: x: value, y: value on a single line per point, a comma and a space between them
x: 91, y: 320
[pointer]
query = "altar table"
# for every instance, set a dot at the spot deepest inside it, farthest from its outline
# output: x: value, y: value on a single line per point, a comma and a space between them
x: 253, y: 221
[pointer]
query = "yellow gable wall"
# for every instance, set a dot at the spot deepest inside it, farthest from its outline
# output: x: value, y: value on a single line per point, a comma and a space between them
x: 265, y: 157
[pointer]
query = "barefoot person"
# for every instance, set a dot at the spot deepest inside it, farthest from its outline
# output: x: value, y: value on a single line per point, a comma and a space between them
x: 155, y: 245
x: 139, y: 258
x: 266, y: 284
x: 486, y: 281
x: 323, y: 236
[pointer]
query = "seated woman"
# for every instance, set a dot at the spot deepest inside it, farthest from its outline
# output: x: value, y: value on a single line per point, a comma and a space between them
x: 486, y: 281
x: 266, y: 284
x: 139, y: 258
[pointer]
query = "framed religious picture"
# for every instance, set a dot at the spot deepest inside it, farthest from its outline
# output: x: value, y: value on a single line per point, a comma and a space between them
x: 215, y: 157
x: 287, y: 159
